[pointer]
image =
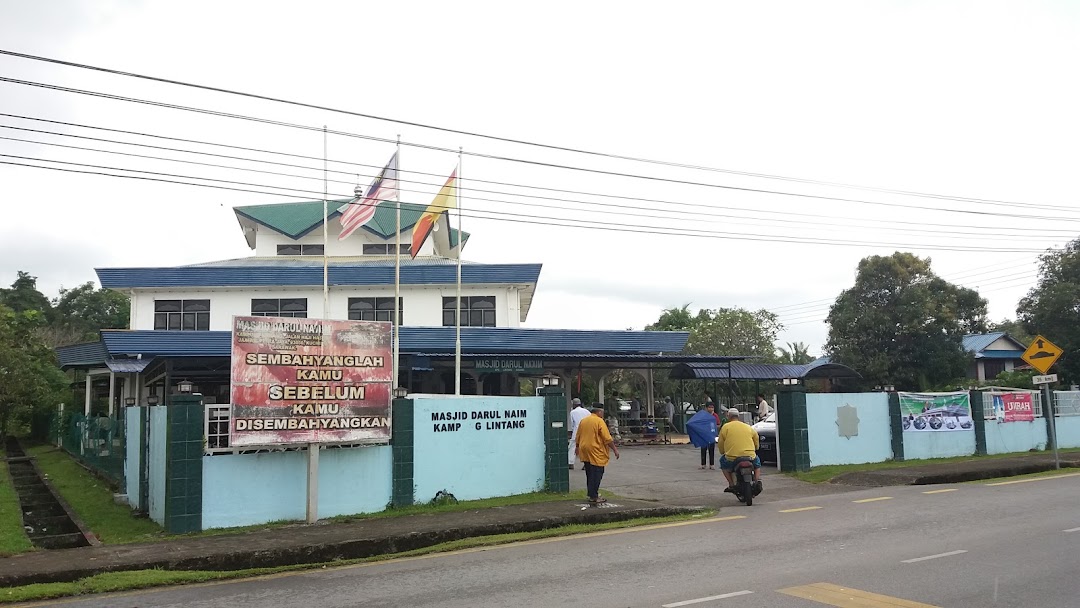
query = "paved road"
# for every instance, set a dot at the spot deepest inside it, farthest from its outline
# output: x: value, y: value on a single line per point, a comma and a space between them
x: 965, y: 546
x: 670, y: 474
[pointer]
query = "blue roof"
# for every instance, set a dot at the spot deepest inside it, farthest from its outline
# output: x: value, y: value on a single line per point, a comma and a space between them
x: 977, y: 343
x: 761, y: 371
x: 431, y: 340
x: 87, y: 353
x: 310, y: 275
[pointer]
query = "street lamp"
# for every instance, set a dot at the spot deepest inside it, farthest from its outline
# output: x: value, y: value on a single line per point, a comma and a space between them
x: 550, y: 380
x: 152, y: 400
x: 130, y: 401
x: 400, y: 392
x: 790, y: 381
x: 184, y: 386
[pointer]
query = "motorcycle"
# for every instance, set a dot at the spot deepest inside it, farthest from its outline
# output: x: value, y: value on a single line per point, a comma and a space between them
x: 745, y: 488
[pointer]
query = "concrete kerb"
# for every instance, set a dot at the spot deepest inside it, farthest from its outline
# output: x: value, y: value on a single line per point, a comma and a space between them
x: 193, y: 554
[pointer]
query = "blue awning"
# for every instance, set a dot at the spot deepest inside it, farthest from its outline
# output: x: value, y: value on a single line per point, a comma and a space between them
x: 128, y: 366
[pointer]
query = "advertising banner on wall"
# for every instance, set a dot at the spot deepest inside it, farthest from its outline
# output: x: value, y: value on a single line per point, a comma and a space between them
x: 1014, y: 407
x: 935, y: 412
x: 297, y: 381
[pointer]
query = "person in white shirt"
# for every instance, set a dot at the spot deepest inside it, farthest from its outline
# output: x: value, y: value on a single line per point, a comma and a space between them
x: 763, y: 407
x: 576, y: 416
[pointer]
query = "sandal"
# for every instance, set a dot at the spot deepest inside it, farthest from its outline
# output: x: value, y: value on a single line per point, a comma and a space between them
x: 702, y: 467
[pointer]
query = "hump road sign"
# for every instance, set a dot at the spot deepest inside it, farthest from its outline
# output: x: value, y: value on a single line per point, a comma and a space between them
x: 1041, y: 354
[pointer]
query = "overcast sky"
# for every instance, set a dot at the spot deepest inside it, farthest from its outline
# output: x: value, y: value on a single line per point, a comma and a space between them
x: 975, y: 100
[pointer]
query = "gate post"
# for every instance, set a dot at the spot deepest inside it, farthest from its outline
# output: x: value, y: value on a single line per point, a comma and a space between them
x: 978, y: 419
x: 402, y: 446
x: 793, y: 439
x: 556, y: 468
x: 186, y: 418
x: 896, y: 425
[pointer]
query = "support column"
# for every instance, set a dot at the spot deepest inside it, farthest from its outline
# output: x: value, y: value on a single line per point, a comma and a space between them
x: 401, y: 442
x: 556, y: 468
x: 792, y: 436
x: 112, y: 392
x: 896, y: 423
x: 978, y: 418
x: 89, y: 390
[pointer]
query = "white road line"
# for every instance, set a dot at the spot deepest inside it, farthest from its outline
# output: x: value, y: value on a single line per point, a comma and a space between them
x: 1073, y: 530
x: 707, y: 599
x: 923, y: 559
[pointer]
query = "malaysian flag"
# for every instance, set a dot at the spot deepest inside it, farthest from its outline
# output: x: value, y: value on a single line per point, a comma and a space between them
x: 361, y: 209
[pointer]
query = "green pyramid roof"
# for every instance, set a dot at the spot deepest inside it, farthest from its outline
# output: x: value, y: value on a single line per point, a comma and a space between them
x: 298, y: 219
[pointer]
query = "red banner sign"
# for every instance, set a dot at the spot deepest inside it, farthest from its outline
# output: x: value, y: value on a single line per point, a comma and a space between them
x: 310, y: 381
x: 1018, y: 407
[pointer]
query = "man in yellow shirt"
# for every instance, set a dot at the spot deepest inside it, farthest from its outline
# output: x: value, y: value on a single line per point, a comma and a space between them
x: 738, y: 440
x: 593, y: 441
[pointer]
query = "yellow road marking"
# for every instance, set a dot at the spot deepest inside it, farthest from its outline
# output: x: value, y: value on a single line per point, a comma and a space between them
x: 846, y: 597
x: 940, y: 491
x: 799, y: 509
x: 1005, y: 483
x: 398, y: 560
x: 873, y: 499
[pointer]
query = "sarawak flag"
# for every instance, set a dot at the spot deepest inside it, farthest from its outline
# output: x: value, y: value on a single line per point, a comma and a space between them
x: 361, y: 209
x: 445, y: 200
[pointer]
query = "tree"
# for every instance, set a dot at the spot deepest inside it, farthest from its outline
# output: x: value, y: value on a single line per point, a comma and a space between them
x: 723, y: 331
x: 901, y: 324
x: 80, y: 313
x: 1015, y: 329
x: 29, y: 377
x: 796, y: 353
x: 1052, y: 307
x: 24, y: 295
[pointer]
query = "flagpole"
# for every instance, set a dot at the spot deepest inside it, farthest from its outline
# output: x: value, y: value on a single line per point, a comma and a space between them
x: 325, y: 237
x: 397, y: 272
x: 457, y: 317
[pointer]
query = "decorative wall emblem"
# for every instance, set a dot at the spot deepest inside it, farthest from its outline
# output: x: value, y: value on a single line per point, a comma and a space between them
x: 847, y: 421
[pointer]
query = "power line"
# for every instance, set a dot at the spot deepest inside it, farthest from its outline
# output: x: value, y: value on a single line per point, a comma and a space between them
x: 748, y: 220
x: 594, y: 153
x: 538, y: 163
x: 505, y: 216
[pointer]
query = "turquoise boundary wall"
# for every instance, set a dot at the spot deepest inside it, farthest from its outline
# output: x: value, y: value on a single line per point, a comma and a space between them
x: 1007, y: 437
x: 939, y: 444
x: 873, y: 442
x: 248, y: 489
x: 1068, y: 431
x: 471, y: 463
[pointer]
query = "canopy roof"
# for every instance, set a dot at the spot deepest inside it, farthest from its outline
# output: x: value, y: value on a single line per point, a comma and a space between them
x: 821, y: 368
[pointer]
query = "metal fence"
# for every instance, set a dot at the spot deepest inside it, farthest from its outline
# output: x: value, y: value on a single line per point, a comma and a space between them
x: 96, y: 441
x: 1067, y: 403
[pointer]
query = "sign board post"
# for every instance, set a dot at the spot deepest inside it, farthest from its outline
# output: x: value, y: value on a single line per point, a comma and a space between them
x: 308, y: 382
x: 1041, y: 355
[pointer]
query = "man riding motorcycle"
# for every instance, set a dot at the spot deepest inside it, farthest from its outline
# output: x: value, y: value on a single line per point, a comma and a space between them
x: 738, y: 440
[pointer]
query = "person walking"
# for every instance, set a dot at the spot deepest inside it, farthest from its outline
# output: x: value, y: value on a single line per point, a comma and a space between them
x: 702, y: 430
x: 711, y: 448
x: 593, y: 442
x: 669, y: 413
x: 577, y: 414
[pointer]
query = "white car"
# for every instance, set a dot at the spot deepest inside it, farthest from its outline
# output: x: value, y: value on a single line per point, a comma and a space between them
x: 766, y: 430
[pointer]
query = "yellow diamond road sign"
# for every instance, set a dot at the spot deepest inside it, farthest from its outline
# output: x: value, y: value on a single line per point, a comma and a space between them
x: 1041, y: 354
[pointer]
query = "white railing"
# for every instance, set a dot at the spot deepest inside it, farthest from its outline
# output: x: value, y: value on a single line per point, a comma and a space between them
x: 1067, y: 403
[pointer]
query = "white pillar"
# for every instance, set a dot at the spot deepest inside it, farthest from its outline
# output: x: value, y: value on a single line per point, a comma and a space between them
x: 89, y: 379
x: 600, y: 387
x: 112, y: 391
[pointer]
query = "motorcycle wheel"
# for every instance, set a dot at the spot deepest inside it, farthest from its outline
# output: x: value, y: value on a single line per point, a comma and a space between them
x: 748, y: 493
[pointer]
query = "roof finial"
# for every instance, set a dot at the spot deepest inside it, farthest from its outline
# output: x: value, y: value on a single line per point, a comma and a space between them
x: 358, y: 191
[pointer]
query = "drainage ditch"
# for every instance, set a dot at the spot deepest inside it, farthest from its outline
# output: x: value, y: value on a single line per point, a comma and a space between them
x: 48, y: 522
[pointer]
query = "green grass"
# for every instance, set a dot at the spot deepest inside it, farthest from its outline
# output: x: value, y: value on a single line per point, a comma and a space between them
x: 12, y: 537
x: 143, y: 579
x: 827, y: 473
x: 92, y: 499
